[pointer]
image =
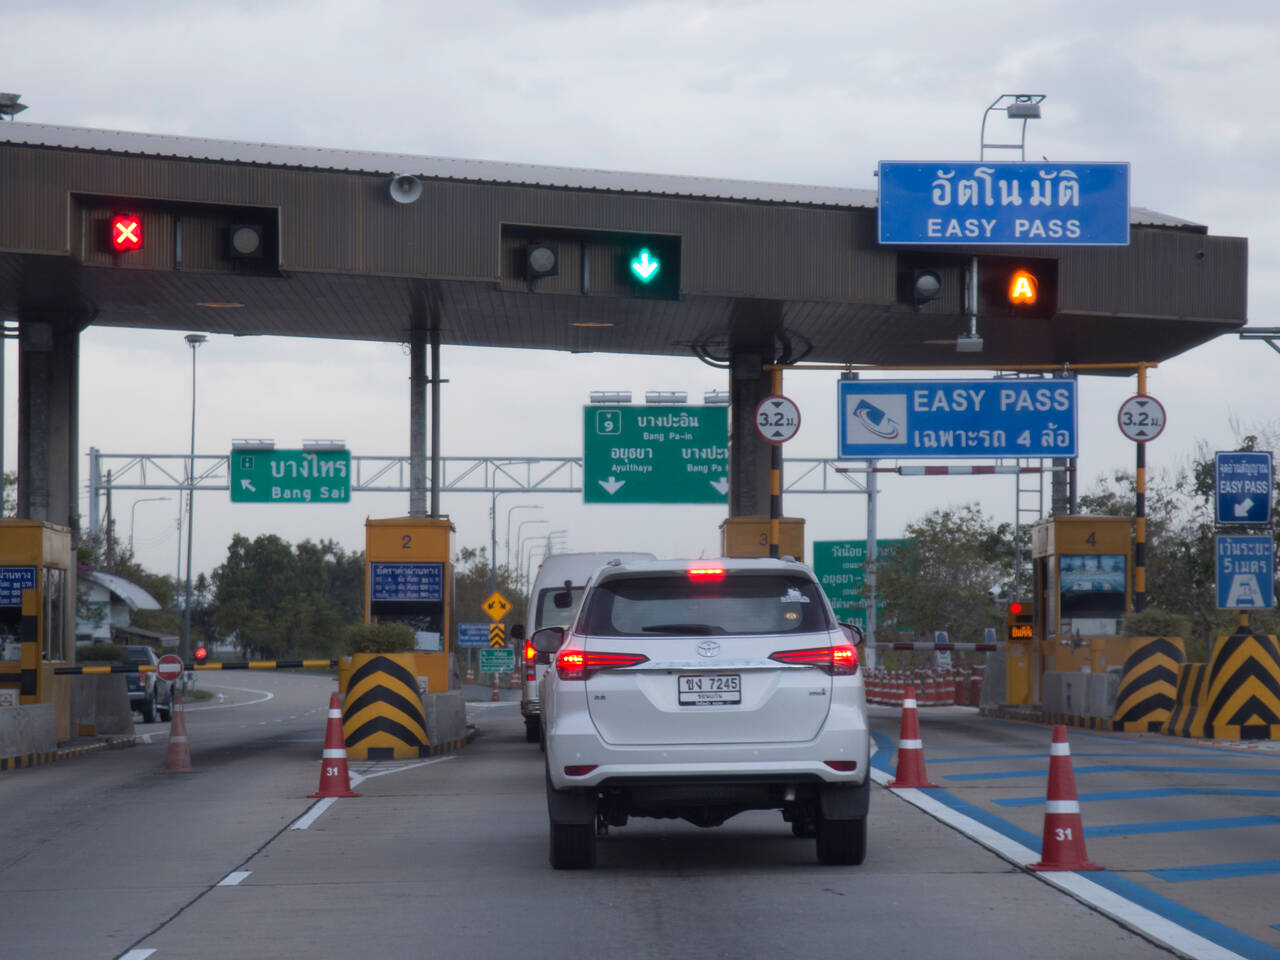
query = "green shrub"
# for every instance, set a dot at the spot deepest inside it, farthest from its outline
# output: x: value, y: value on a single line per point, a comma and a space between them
x: 380, y: 638
x: 86, y: 652
x: 1154, y: 622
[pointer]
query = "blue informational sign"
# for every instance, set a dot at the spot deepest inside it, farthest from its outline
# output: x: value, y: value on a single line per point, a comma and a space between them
x: 893, y: 419
x: 406, y: 581
x: 1246, y: 572
x: 1242, y: 485
x: 473, y: 634
x: 13, y: 580
x: 1005, y: 203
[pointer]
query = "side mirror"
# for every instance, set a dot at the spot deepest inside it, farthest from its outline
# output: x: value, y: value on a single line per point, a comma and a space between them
x: 517, y: 631
x: 548, y: 639
x: 854, y: 633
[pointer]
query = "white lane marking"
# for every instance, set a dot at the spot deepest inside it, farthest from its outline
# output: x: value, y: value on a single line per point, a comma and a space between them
x: 312, y: 815
x: 233, y: 878
x: 263, y: 696
x: 1086, y: 891
x: 140, y: 953
x: 358, y: 777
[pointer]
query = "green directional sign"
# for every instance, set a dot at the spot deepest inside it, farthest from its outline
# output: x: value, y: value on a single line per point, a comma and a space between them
x: 841, y: 568
x: 655, y: 454
x: 645, y: 266
x: 497, y: 660
x: 290, y: 476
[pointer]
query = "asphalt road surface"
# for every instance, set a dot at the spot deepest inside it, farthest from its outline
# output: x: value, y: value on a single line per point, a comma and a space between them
x: 447, y: 856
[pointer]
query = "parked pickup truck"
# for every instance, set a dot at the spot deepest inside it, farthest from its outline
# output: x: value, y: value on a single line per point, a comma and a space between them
x: 148, y: 694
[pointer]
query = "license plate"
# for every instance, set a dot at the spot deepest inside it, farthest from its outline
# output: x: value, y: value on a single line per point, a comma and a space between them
x: 710, y: 689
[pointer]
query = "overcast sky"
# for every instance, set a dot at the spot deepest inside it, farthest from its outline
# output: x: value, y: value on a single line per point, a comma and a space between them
x: 801, y: 92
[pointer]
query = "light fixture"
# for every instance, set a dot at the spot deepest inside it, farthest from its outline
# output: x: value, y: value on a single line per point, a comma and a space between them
x: 926, y: 285
x: 590, y: 323
x: 716, y: 398
x: 968, y: 343
x: 1016, y: 106
x: 324, y: 445
x: 253, y: 444
x: 9, y: 104
x: 244, y: 241
x: 610, y: 396
x: 541, y: 260
x: 666, y: 396
x: 219, y: 304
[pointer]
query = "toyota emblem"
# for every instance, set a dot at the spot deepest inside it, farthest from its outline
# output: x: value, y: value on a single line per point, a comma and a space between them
x: 708, y: 648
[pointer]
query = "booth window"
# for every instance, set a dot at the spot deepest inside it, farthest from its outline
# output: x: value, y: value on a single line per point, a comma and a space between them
x: 1092, y: 592
x: 55, y: 580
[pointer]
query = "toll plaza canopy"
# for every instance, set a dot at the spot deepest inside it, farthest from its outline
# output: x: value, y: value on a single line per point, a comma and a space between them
x: 251, y: 238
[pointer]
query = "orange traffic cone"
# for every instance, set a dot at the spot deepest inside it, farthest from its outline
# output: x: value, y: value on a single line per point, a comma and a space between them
x: 1062, y: 847
x: 334, y: 780
x: 910, y: 749
x: 178, y: 759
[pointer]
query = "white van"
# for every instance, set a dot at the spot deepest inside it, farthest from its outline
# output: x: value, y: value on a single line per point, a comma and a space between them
x: 553, y: 601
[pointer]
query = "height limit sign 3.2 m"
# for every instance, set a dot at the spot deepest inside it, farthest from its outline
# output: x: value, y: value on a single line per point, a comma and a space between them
x: 777, y: 419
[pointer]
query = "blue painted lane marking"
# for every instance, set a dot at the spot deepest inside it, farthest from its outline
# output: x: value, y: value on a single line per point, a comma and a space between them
x: 1143, y: 795
x: 1132, y: 891
x: 1109, y: 768
x: 1181, y: 826
x: 1045, y: 756
x: 1217, y: 871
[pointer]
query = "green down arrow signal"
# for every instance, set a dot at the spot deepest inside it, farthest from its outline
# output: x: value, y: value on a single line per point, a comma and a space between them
x: 645, y: 267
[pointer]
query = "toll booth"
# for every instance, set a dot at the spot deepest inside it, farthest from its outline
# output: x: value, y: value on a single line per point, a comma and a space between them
x: 37, y: 615
x: 1083, y: 591
x: 409, y: 579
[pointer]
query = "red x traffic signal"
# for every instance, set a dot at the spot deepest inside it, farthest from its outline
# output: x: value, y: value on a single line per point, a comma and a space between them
x: 126, y: 232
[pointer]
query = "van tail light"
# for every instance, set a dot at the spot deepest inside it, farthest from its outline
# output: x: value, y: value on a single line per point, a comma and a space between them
x: 580, y: 664
x: 529, y: 652
x: 837, y: 661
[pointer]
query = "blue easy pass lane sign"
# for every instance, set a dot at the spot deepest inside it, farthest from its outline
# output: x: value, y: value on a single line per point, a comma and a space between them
x: 1246, y: 573
x: 1242, y: 485
x: 891, y: 419
x: 1004, y: 203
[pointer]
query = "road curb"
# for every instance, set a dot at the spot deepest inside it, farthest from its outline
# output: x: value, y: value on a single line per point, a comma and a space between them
x: 43, y: 758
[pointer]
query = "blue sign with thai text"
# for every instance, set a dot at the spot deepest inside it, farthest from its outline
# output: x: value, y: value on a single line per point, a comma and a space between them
x: 1242, y: 485
x: 1005, y: 203
x: 892, y: 419
x: 1246, y: 572
x: 406, y: 581
x: 473, y: 634
x: 13, y: 580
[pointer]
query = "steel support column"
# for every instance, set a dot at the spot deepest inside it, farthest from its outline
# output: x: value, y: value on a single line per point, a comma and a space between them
x: 48, y: 435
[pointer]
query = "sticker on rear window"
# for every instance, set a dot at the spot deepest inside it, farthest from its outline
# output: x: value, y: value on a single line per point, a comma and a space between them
x: 794, y: 596
x: 791, y: 615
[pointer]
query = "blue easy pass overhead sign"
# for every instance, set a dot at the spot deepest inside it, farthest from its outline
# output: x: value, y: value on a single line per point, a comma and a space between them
x: 893, y: 419
x: 1242, y: 485
x: 1005, y: 203
x: 1246, y: 573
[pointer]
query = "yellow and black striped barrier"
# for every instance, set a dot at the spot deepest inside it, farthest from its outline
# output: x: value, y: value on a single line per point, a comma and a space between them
x: 382, y: 716
x: 65, y: 753
x: 1244, y: 687
x: 1149, y: 685
x: 223, y: 665
x: 1191, y: 709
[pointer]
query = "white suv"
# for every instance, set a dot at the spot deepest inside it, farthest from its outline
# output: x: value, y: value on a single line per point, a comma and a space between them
x: 700, y: 689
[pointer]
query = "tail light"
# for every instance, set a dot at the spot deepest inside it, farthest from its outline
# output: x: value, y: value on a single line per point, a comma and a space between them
x: 580, y: 664
x: 706, y: 573
x: 529, y: 652
x: 837, y: 661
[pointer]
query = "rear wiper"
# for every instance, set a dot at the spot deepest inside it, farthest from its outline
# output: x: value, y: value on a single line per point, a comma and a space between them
x: 698, y: 628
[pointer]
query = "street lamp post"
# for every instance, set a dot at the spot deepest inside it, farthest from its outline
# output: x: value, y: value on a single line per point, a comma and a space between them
x: 510, y: 510
x: 520, y: 543
x: 193, y: 341
x: 133, y: 512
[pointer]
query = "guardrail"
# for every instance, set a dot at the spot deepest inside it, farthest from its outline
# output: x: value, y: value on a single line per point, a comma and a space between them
x: 228, y: 665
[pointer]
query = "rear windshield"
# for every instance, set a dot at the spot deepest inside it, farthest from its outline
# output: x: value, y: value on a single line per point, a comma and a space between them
x: 551, y: 615
x: 138, y: 654
x: 747, y: 604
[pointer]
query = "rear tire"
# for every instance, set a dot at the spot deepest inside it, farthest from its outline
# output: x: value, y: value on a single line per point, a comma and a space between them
x: 532, y: 730
x: 841, y: 842
x: 148, y: 710
x: 573, y: 846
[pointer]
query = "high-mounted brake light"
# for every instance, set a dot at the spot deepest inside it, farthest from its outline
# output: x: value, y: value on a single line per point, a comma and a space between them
x: 838, y: 661
x: 580, y: 664
x: 706, y: 573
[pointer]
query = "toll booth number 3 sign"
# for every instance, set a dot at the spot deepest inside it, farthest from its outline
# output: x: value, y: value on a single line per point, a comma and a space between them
x: 406, y: 581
